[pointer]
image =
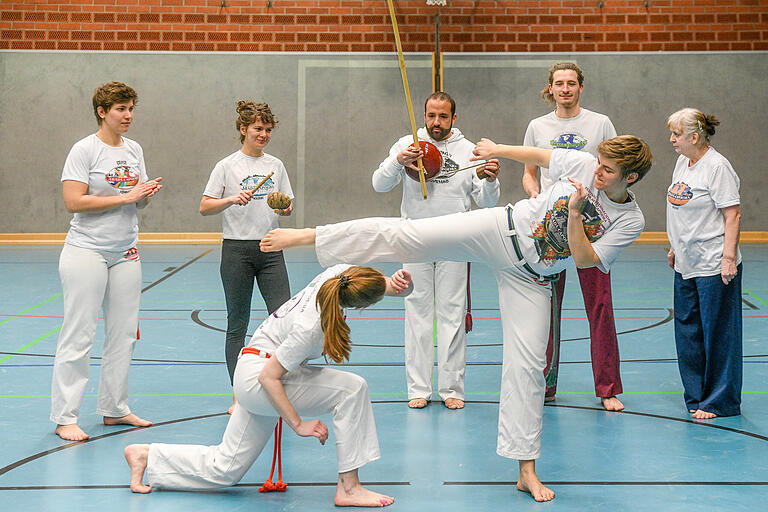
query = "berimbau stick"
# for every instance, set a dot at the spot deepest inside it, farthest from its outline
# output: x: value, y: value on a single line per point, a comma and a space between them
x: 407, y: 90
x: 257, y: 187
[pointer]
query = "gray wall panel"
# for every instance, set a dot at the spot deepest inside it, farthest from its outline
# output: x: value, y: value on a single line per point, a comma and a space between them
x: 339, y: 114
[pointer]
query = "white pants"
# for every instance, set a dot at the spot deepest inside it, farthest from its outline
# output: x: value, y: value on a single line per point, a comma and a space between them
x: 92, y: 281
x: 439, y: 291
x: 479, y: 236
x: 311, y: 390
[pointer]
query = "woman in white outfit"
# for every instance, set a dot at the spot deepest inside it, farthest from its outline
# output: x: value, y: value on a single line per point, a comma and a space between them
x: 587, y: 217
x: 104, y: 183
x: 273, y: 380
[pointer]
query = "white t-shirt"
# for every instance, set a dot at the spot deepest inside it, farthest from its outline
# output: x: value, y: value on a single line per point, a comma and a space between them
x: 293, y: 332
x: 449, y: 191
x: 695, y: 224
x: 108, y: 171
x: 582, y: 133
x: 541, y: 223
x: 239, y: 172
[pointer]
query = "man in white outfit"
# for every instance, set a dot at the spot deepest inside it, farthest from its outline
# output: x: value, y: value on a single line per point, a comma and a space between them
x: 439, y: 286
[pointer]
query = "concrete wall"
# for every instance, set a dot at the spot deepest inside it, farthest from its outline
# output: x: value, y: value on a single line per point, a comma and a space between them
x: 339, y: 114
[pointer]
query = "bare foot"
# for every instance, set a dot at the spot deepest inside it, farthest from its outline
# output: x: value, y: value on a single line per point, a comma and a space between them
x: 279, y: 239
x: 350, y: 493
x: 71, y: 432
x: 136, y: 455
x: 418, y: 403
x: 549, y: 399
x: 454, y: 403
x: 129, y: 419
x: 612, y: 404
x: 530, y: 483
x: 232, y: 407
x: 704, y: 415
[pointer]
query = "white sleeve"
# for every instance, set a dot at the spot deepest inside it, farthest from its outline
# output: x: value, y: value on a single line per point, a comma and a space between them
x: 285, y: 183
x: 297, y: 347
x: 575, y: 164
x: 77, y: 166
x: 609, y: 131
x: 724, y: 186
x: 618, y: 236
x: 529, y: 139
x: 142, y: 165
x: 215, y: 186
x: 485, y: 194
x: 390, y: 172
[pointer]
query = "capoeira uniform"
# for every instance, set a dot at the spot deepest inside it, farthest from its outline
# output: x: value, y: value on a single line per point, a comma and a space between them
x: 583, y: 133
x: 242, y: 229
x: 99, y: 268
x: 293, y: 335
x: 523, y: 245
x: 439, y: 287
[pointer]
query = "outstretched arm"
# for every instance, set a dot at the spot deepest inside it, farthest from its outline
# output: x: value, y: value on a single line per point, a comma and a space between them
x: 399, y: 284
x: 487, y: 149
x: 270, y: 378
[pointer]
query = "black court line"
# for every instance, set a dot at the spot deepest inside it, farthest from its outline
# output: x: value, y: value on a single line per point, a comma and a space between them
x: 98, y: 438
x: 702, y: 423
x: 175, y: 271
x: 195, y: 316
x: 368, y: 365
x: 571, y: 482
x: 119, y: 486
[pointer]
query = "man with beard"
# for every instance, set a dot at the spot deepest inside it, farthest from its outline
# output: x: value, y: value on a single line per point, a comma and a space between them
x: 571, y: 126
x: 439, y: 295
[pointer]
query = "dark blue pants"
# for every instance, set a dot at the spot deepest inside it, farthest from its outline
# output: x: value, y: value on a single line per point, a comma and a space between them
x: 708, y: 338
x: 241, y: 262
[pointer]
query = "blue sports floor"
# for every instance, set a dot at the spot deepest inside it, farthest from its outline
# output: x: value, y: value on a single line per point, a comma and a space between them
x: 652, y: 456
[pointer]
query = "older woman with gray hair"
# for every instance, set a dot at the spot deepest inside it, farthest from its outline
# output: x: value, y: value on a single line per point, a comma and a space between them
x: 703, y: 219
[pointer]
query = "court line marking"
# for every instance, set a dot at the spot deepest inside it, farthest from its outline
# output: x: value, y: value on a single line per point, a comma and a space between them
x: 571, y: 482
x: 702, y: 423
x: 118, y: 486
x: 148, y: 287
x: 756, y: 297
x: 11, y: 317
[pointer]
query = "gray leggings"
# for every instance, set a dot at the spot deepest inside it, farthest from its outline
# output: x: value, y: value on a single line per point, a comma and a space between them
x: 241, y: 261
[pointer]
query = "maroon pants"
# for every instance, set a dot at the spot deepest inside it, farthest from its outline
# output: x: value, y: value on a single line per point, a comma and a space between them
x: 604, y: 346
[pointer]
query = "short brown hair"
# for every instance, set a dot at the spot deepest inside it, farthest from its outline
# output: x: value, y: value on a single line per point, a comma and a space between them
x: 110, y: 93
x: 631, y: 153
x: 249, y: 112
x: 561, y: 66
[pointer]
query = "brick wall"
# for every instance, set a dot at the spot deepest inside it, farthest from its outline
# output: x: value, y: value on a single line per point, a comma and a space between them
x: 363, y: 25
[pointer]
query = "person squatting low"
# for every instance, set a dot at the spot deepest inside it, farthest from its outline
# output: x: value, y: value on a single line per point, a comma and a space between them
x: 272, y: 380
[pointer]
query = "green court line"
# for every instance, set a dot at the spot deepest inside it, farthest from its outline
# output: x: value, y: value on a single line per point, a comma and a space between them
x: 30, y: 344
x: 756, y: 297
x: 31, y: 308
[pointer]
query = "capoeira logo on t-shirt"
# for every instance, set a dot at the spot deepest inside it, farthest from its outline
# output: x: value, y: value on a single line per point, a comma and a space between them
x: 569, y: 141
x: 250, y: 182
x: 123, y: 178
x: 449, y: 169
x: 679, y: 194
x: 550, y: 236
